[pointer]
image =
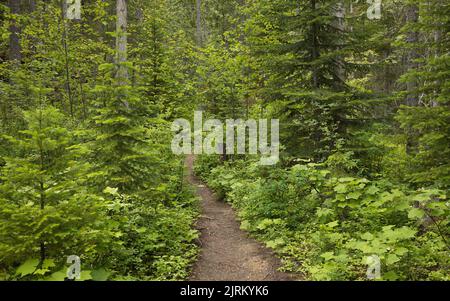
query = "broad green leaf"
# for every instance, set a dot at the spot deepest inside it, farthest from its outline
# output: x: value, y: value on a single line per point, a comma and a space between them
x: 245, y: 225
x: 333, y: 224
x: 415, y: 213
x: 112, y: 191
x: 57, y: 276
x: 400, y: 251
x: 85, y: 275
x: 28, y: 267
x: 391, y: 259
x: 100, y: 274
x: 327, y: 256
x: 354, y: 195
x: 372, y: 190
x: 341, y: 188
x: 48, y: 263
x: 390, y: 276
x: 273, y: 244
x: 367, y: 236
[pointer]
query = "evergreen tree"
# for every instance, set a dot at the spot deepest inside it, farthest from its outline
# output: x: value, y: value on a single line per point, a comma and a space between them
x: 46, y: 199
x: 426, y: 122
x: 308, y: 52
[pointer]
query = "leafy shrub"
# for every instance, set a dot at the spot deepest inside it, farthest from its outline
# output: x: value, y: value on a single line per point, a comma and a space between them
x: 51, y: 208
x: 326, y: 225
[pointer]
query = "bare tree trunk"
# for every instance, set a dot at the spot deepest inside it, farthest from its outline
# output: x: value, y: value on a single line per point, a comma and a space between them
x: 412, y: 38
x: 66, y: 57
x: 438, y: 51
x: 315, y: 48
x: 15, y: 53
x: 121, y: 42
x: 198, y: 22
x: 339, y: 24
x: 412, y: 17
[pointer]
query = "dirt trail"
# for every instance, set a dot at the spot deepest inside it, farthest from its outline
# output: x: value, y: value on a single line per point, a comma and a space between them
x: 227, y: 253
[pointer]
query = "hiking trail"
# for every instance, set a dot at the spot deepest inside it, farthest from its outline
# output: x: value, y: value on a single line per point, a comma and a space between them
x: 228, y: 253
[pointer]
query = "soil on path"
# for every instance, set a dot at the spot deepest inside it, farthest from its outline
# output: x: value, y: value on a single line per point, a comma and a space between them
x: 227, y: 253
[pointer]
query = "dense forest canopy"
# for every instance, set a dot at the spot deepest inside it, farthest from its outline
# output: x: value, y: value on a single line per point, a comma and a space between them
x: 89, y: 90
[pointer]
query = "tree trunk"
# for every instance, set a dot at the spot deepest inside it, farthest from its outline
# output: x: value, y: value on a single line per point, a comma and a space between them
x: 314, y: 48
x: 339, y: 24
x: 66, y: 57
x: 15, y: 53
x: 121, y: 42
x: 198, y: 22
x: 412, y: 38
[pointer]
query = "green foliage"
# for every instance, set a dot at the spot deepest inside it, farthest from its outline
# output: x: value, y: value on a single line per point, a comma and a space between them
x: 325, y: 226
x: 85, y: 160
x: 425, y: 123
x: 46, y: 199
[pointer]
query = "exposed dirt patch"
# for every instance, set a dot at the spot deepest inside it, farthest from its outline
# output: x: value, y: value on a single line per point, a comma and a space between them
x: 227, y: 253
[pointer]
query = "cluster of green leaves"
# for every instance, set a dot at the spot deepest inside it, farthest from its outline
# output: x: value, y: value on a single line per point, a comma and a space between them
x: 325, y: 226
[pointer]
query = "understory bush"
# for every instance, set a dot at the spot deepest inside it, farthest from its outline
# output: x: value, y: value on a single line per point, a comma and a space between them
x: 51, y: 208
x: 326, y: 227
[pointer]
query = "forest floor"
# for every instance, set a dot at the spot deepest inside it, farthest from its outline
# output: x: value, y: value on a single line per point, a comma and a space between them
x: 227, y: 253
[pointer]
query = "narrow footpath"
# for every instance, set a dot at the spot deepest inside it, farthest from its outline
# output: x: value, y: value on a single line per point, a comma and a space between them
x: 227, y: 252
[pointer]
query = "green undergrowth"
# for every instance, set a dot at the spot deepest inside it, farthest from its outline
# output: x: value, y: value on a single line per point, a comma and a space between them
x: 325, y: 227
